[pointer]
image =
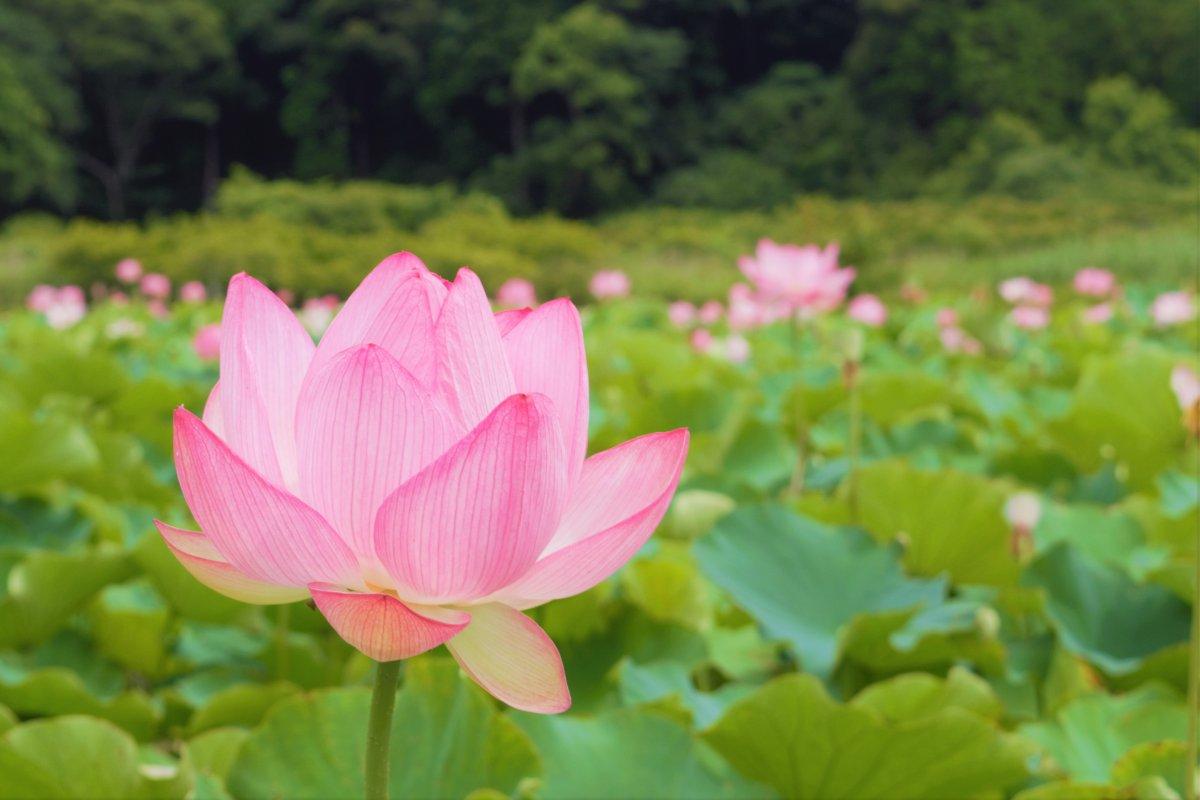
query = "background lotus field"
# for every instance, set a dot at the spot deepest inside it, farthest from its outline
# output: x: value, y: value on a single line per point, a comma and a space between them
x: 836, y: 604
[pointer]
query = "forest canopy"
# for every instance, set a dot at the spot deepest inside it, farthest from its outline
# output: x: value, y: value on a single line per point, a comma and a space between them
x: 116, y: 108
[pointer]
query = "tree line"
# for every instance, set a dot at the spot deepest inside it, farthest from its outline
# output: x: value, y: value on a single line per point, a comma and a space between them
x: 119, y: 108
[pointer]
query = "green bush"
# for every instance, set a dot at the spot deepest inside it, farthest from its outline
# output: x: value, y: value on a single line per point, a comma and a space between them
x: 1137, y: 128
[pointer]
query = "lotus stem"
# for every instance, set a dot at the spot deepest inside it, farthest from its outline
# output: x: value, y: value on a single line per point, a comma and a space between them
x: 379, y: 729
x: 855, y: 445
x: 796, y: 485
x: 282, y: 618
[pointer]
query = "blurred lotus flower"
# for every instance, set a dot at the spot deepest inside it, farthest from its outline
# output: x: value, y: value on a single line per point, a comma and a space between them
x: 1173, y: 308
x: 318, y: 312
x: 207, y: 342
x: 806, y: 279
x: 1098, y: 314
x: 1023, y: 510
x: 128, y: 270
x: 287, y: 296
x: 744, y: 310
x: 60, y: 307
x: 1186, y: 385
x: 193, y: 292
x: 516, y: 293
x: 681, y: 313
x: 1023, y: 291
x: 1030, y: 318
x: 710, y: 313
x: 420, y: 475
x: 609, y: 283
x: 155, y: 285
x: 737, y: 349
x: 41, y: 297
x: 157, y: 308
x: 867, y: 309
x: 118, y: 298
x: 1095, y: 282
x: 956, y: 340
x: 702, y: 340
x: 124, y: 328
x: 947, y: 318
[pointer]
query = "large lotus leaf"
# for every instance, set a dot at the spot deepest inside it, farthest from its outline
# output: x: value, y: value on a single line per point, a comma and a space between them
x: 1102, y: 614
x: 649, y: 682
x: 934, y: 638
x: 919, y: 695
x: 78, y: 757
x: 31, y: 523
x: 949, y: 521
x: 805, y: 582
x: 628, y: 753
x: 792, y: 736
x: 129, y: 626
x: 761, y: 456
x: 668, y: 587
x: 8, y: 719
x: 447, y: 741
x: 693, y: 512
x: 1108, y: 536
x: 1123, y: 411
x: 242, y: 704
x: 41, y: 449
x: 213, y: 752
x: 888, y: 397
x: 1174, y: 537
x: 1087, y: 736
x: 1151, y: 788
x: 44, y: 588
x: 58, y: 690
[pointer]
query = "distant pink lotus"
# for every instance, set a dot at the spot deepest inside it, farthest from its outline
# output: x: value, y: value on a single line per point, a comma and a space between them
x: 681, y: 314
x: 420, y: 474
x: 1095, y: 282
x: 805, y: 279
x: 128, y: 270
x: 207, y: 342
x: 956, y: 340
x: 516, y: 293
x: 608, y: 284
x: 1186, y: 385
x: 737, y: 349
x: 1030, y: 318
x: 702, y: 340
x: 1027, y: 292
x: 193, y: 292
x: 867, y: 309
x: 155, y: 285
x: 1098, y: 314
x: 61, y: 307
x: 710, y: 313
x: 1173, y: 308
x: 947, y: 318
x: 318, y: 312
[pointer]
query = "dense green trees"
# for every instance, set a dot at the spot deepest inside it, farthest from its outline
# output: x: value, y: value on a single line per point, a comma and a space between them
x: 120, y: 107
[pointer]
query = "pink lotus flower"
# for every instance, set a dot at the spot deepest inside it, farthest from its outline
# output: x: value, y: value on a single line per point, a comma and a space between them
x: 1023, y: 291
x: 1185, y: 383
x: 420, y: 474
x: 193, y: 292
x: 1030, y: 318
x: 1022, y: 511
x: 516, y: 293
x: 1173, y: 308
x: 207, y: 342
x: 155, y: 285
x: 609, y: 283
x: 157, y: 308
x: 956, y: 340
x: 61, y: 307
x: 702, y: 340
x: 128, y: 270
x: 867, y: 309
x: 947, y: 318
x: 710, y: 313
x: 1098, y: 314
x: 1095, y: 282
x: 286, y: 295
x: 318, y: 312
x: 737, y: 349
x: 805, y: 279
x: 118, y: 298
x: 681, y: 313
